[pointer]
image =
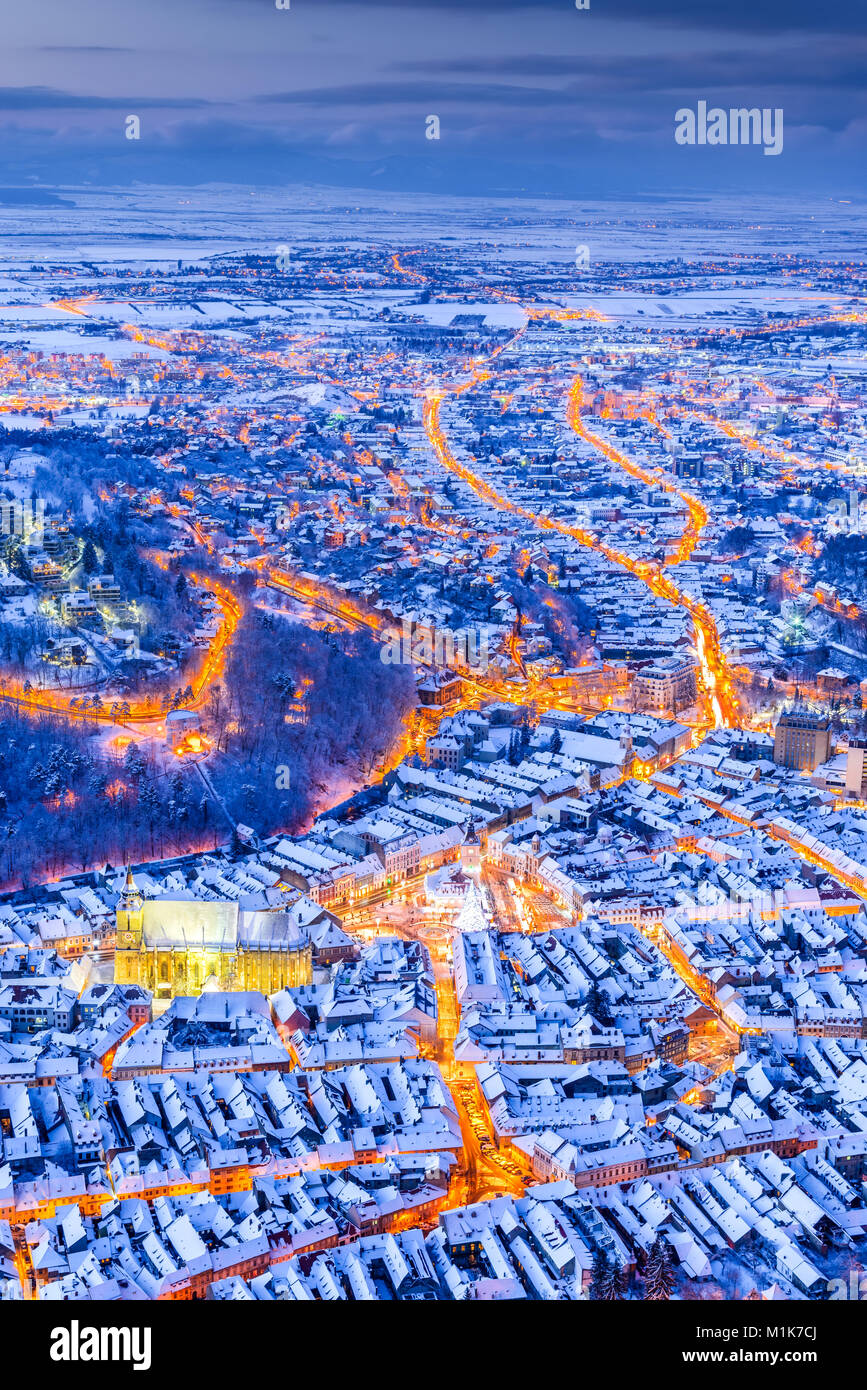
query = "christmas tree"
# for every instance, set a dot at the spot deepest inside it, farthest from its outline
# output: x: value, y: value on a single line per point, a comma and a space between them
x: 472, y: 916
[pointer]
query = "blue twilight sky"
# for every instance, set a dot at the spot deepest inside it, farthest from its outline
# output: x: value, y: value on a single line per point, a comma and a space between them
x: 532, y: 95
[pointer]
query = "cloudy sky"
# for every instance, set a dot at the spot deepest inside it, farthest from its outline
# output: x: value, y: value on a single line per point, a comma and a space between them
x: 530, y: 94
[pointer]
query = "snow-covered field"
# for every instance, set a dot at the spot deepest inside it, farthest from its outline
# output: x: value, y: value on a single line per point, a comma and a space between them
x: 153, y: 226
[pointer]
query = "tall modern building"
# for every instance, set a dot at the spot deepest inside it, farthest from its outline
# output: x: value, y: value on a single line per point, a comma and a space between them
x: 802, y: 740
x: 856, y: 773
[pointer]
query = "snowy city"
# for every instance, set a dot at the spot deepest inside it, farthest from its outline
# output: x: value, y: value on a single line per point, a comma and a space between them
x: 433, y: 735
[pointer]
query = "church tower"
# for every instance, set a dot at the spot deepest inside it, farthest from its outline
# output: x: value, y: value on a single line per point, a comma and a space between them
x: 471, y: 849
x: 128, y: 923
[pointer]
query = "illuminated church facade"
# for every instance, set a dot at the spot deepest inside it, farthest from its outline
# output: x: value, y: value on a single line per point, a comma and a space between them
x: 184, y: 944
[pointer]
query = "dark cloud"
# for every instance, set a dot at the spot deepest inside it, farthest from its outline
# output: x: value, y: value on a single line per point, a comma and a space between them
x: 835, y: 63
x: 375, y: 95
x: 83, y: 48
x: 51, y: 99
x: 750, y: 16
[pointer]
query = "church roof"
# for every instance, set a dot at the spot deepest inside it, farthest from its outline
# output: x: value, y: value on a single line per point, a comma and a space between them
x: 259, y: 930
x: 190, y: 924
x: 186, y: 922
